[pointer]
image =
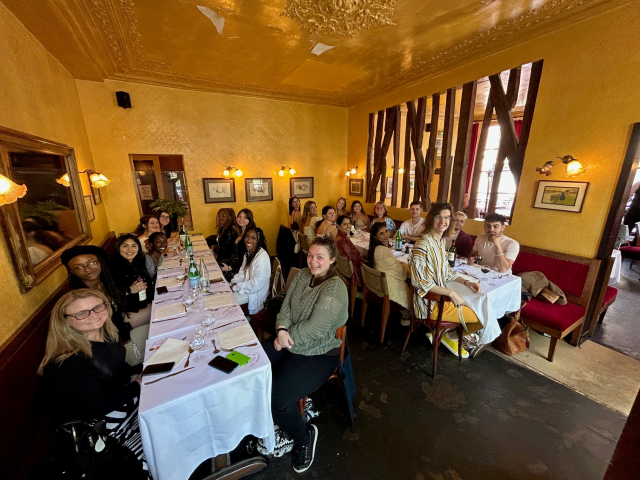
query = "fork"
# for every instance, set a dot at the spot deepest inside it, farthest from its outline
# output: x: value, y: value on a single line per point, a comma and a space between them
x: 186, y: 364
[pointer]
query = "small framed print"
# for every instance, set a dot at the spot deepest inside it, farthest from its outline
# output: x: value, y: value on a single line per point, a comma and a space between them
x: 412, y: 182
x: 258, y: 189
x: 301, y: 187
x: 91, y: 215
x: 219, y: 190
x: 97, y: 197
x: 563, y: 196
x: 389, y: 187
x: 356, y: 186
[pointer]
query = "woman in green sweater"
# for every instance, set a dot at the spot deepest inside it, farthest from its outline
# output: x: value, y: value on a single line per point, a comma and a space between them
x: 305, y: 352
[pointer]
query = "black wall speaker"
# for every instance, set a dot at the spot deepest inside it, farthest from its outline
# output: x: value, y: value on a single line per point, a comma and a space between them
x: 123, y: 99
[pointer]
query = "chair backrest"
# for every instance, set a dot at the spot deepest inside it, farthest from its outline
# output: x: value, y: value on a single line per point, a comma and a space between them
x: 637, y: 239
x: 304, y: 243
x: 341, y: 333
x: 375, y: 281
x: 345, y: 267
x: 434, y: 297
x: 292, y: 274
x: 276, y: 284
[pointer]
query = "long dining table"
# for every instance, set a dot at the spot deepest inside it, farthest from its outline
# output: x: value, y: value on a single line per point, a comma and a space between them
x: 200, y: 412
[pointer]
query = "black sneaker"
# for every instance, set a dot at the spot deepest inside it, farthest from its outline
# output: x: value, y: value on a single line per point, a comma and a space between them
x: 303, y: 455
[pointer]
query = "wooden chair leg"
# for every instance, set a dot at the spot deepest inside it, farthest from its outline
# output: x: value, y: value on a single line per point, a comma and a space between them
x: 386, y: 307
x: 354, y: 293
x: 601, y: 317
x: 412, y: 327
x: 437, y: 337
x: 575, y: 336
x: 364, y: 305
x: 301, y: 403
x: 460, y: 335
x: 552, y: 348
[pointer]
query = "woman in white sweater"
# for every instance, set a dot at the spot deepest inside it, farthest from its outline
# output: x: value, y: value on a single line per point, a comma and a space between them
x: 251, y: 284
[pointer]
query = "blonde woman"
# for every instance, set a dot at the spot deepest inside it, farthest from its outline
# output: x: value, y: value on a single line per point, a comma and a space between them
x: 341, y: 206
x: 309, y: 219
x: 85, y: 377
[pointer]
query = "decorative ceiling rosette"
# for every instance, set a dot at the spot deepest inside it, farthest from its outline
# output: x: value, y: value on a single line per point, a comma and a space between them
x: 340, y: 17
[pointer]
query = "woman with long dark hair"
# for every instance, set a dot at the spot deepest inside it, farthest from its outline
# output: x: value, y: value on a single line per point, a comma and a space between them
x: 156, y: 252
x: 165, y: 223
x: 228, y: 232
x: 348, y: 249
x: 85, y: 376
x: 359, y: 218
x: 251, y: 284
x: 244, y: 221
x: 295, y: 216
x: 129, y: 270
x: 148, y: 225
x: 327, y: 226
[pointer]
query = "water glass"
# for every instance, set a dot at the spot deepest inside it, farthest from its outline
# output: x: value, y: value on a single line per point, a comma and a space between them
x: 207, y: 323
x: 189, y: 304
x: 197, y: 344
x: 204, y: 284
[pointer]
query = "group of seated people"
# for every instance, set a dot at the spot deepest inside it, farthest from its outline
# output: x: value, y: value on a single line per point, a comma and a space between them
x: 98, y: 330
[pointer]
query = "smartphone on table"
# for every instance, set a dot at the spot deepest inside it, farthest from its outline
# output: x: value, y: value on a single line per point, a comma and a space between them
x: 223, y: 364
x: 239, y: 358
x: 158, y: 368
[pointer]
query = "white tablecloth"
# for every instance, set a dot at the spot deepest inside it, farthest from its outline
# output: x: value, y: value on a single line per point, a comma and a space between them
x: 361, y: 241
x: 617, y: 267
x: 201, y: 413
x: 491, y: 303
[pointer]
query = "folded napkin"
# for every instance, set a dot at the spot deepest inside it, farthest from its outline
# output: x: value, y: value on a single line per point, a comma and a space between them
x: 214, y: 276
x: 215, y: 301
x: 468, y: 277
x: 197, y: 247
x: 170, y: 263
x: 172, y: 350
x: 171, y: 282
x: 234, y: 337
x: 167, y: 311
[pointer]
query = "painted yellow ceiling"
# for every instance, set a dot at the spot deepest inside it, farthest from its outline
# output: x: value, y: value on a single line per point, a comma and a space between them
x: 263, y: 51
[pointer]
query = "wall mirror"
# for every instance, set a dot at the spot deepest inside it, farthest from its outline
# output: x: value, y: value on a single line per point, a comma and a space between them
x: 51, y: 217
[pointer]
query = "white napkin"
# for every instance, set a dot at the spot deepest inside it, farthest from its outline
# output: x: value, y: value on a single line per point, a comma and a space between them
x: 167, y: 311
x: 171, y: 282
x: 234, y: 337
x: 172, y: 350
x: 170, y: 263
x: 217, y: 275
x: 215, y: 301
x: 468, y: 277
x: 198, y: 247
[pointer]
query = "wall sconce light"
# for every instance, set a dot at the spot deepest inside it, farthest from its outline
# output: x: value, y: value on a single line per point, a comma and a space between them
x: 96, y: 179
x: 227, y: 172
x: 64, y: 180
x: 574, y: 167
x: 352, y: 171
x: 288, y: 169
x: 10, y: 191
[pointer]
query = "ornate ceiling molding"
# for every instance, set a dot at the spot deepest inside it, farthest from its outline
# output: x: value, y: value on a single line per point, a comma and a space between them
x: 340, y: 17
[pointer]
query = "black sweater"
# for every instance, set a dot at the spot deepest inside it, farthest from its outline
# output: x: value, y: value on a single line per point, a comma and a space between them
x: 82, y: 388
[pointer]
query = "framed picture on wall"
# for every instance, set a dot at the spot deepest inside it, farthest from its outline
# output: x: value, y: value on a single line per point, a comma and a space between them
x: 258, y: 189
x: 89, y: 208
x: 97, y: 198
x: 301, y: 187
x: 219, y: 190
x: 563, y: 196
x: 412, y: 182
x: 389, y: 187
x: 356, y: 185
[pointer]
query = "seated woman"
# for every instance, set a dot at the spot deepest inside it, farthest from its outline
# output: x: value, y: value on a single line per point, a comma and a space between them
x: 165, y: 223
x: 156, y: 252
x: 295, y: 216
x: 251, y: 284
x: 309, y: 219
x: 348, y: 249
x: 87, y: 268
x: 341, y: 206
x: 327, y: 226
x: 382, y: 259
x: 430, y: 272
x: 148, y: 225
x: 129, y: 270
x: 380, y: 216
x: 359, y: 219
x: 228, y: 232
x: 244, y: 221
x: 305, y: 352
x: 85, y: 376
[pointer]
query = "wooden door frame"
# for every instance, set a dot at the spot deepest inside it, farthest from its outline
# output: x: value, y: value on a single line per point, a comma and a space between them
x: 612, y: 225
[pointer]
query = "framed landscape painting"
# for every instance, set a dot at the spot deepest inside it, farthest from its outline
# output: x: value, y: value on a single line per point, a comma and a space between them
x: 356, y: 186
x: 563, y: 196
x: 301, y: 187
x: 219, y: 190
x: 258, y: 189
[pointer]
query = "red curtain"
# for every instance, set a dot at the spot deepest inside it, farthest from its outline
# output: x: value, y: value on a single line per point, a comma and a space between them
x: 472, y: 154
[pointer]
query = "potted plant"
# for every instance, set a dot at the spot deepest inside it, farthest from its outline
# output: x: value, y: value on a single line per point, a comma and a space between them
x: 175, y: 208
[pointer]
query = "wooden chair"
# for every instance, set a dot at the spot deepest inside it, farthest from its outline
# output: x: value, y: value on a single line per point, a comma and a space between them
x: 304, y: 249
x: 341, y: 333
x: 292, y: 274
x: 375, y: 290
x: 437, y: 327
x: 345, y: 267
x: 632, y: 251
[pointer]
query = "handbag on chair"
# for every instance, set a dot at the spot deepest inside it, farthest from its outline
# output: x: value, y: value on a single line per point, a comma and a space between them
x: 514, y: 337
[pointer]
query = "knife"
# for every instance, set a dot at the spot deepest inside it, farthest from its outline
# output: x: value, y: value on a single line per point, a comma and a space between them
x: 167, y: 376
x: 235, y: 321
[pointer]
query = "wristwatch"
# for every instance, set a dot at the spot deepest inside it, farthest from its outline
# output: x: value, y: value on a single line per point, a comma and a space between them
x: 280, y: 329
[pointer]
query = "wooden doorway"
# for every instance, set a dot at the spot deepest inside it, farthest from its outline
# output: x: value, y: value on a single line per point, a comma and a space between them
x: 160, y: 176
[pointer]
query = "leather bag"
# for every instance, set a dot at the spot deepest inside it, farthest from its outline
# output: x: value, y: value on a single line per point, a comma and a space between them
x: 514, y: 337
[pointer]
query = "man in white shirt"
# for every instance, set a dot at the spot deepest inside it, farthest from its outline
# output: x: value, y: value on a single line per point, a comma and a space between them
x: 413, y: 228
x: 495, y: 248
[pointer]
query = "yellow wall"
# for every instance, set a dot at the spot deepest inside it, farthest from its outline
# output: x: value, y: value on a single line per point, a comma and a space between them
x: 37, y: 96
x: 589, y: 97
x: 212, y: 131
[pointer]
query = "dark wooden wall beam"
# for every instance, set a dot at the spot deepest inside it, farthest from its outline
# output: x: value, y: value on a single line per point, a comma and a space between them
x: 389, y: 128
x: 371, y: 192
x: 406, y: 178
x: 396, y: 155
x: 508, y: 136
x: 430, y: 160
x: 370, y: 139
x: 417, y: 118
x: 477, y: 165
x: 447, y: 139
x: 461, y: 160
x: 527, y: 118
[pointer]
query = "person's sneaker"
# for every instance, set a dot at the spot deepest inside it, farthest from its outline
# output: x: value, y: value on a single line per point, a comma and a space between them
x: 405, y: 321
x: 310, y: 410
x: 283, y: 444
x: 452, y: 346
x: 430, y: 337
x: 303, y: 455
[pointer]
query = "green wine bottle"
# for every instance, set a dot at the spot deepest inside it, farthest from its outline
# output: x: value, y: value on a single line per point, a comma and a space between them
x: 451, y: 256
x: 398, y: 240
x: 187, y: 245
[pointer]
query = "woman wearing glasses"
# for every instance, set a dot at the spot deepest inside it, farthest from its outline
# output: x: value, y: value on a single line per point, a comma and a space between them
x: 87, y: 268
x: 430, y: 272
x: 85, y: 375
x: 165, y: 222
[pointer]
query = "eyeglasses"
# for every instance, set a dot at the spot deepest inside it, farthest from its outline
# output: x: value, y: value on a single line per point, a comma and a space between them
x: 440, y: 217
x: 82, y: 314
x: 82, y: 268
x: 164, y: 216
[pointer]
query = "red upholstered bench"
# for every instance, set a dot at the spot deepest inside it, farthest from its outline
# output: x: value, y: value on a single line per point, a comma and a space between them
x: 576, y: 278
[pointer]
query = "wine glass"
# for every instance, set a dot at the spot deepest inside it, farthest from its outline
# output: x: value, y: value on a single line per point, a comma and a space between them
x: 478, y: 259
x: 197, y: 343
x: 207, y: 323
x: 189, y: 304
